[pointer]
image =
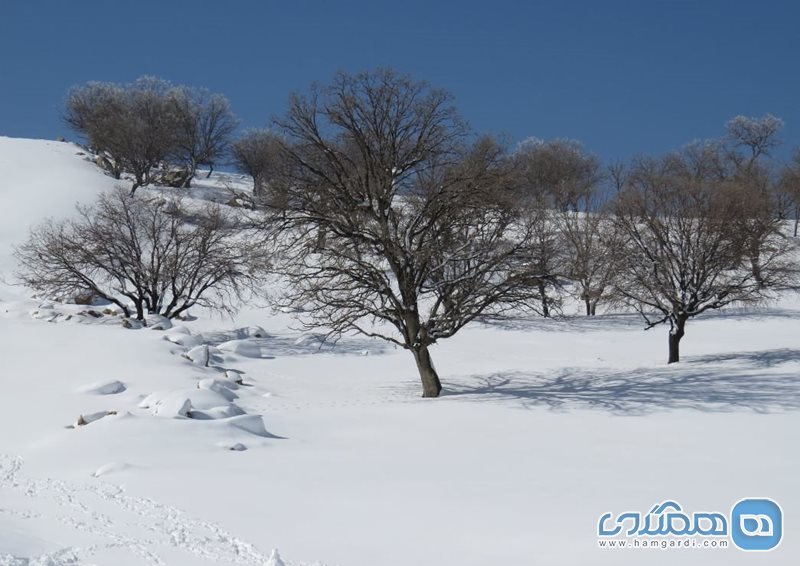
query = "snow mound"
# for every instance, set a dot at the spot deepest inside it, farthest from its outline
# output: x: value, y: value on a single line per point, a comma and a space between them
x: 216, y: 413
x: 104, y: 388
x: 246, y: 348
x: 234, y: 375
x: 253, y: 424
x: 171, y: 404
x: 255, y: 332
x: 311, y: 339
x: 204, y: 355
x: 89, y: 418
x: 179, y: 402
x: 222, y: 387
x: 158, y: 322
x: 183, y: 337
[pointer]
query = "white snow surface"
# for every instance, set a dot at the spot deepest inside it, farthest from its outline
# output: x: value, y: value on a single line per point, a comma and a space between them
x: 331, y: 456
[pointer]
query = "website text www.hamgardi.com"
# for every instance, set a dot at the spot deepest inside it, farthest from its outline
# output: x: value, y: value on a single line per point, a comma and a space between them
x: 663, y: 544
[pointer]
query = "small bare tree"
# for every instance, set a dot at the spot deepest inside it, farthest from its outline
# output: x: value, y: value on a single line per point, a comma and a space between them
x: 151, y: 253
x: 559, y: 173
x: 751, y: 180
x: 684, y: 252
x: 790, y: 187
x: 558, y: 180
x: 593, y: 254
x: 260, y: 154
x: 395, y: 227
x: 205, y: 124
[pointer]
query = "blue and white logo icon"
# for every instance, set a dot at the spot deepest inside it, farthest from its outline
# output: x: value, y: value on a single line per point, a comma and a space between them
x: 756, y: 524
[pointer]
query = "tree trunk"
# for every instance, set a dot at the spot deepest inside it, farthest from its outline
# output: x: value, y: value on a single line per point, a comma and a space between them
x: 755, y: 266
x: 675, y: 335
x: 258, y: 186
x: 139, y: 310
x: 210, y: 170
x: 545, y: 299
x: 594, y: 308
x: 588, y: 306
x: 796, y: 219
x: 431, y: 386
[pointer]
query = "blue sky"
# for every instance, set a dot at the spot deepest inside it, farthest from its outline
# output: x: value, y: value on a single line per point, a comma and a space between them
x: 624, y: 77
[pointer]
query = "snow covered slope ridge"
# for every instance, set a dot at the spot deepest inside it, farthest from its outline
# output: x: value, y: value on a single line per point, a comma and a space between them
x: 40, y: 179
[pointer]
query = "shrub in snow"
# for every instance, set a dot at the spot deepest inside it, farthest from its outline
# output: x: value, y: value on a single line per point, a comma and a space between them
x: 154, y: 254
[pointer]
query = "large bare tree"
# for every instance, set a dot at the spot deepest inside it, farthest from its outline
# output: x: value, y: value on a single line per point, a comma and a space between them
x: 397, y: 226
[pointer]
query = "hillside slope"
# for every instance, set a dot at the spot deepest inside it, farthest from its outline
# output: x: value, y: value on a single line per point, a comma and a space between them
x: 329, y: 454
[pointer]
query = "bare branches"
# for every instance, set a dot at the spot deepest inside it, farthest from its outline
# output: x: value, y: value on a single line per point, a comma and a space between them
x: 261, y: 154
x: 685, y: 250
x: 131, y: 250
x: 394, y: 226
x: 137, y: 128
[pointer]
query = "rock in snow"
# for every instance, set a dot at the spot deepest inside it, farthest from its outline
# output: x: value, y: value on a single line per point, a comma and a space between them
x: 103, y: 388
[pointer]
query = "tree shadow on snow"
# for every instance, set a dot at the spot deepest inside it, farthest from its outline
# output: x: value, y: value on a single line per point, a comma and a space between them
x: 626, y: 321
x: 567, y: 323
x: 300, y: 344
x: 696, y: 384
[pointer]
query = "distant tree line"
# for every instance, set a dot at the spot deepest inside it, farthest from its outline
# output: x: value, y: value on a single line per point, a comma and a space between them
x: 387, y: 216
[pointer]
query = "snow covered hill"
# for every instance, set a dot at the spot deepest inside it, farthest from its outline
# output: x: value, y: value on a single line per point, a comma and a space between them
x: 121, y: 447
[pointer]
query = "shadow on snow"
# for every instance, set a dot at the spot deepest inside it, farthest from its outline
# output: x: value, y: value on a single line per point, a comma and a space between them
x: 702, y: 383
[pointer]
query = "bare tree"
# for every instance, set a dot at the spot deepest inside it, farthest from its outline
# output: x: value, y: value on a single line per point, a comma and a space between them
x: 757, y: 136
x: 547, y: 255
x: 749, y: 142
x: 684, y: 252
x: 559, y: 172
x: 790, y: 187
x: 205, y: 124
x: 593, y: 254
x: 396, y: 228
x: 144, y: 252
x: 96, y: 111
x: 261, y: 154
x: 134, y: 128
x: 558, y: 179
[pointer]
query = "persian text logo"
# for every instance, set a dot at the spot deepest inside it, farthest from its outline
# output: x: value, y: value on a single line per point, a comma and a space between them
x: 666, y: 519
x: 753, y: 524
x: 756, y: 524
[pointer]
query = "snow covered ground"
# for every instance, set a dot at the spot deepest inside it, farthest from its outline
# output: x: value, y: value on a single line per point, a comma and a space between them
x: 328, y: 453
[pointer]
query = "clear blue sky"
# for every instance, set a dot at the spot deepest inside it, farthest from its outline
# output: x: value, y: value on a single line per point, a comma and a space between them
x: 624, y: 77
